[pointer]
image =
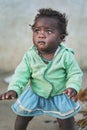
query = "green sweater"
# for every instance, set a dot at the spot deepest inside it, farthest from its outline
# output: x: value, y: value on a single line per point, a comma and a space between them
x: 47, y: 80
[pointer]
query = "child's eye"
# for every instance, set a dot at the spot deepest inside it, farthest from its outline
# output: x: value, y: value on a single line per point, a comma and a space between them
x: 49, y: 31
x: 37, y: 30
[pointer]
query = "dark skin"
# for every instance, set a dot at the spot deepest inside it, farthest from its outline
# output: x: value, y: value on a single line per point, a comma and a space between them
x: 46, y: 38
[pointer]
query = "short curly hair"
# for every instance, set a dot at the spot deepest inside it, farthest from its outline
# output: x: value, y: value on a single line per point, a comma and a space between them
x: 50, y: 13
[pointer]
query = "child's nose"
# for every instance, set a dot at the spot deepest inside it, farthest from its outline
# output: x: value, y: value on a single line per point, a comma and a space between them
x: 42, y: 34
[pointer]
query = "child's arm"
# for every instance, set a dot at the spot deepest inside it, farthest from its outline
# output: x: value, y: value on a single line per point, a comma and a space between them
x: 8, y: 95
x: 21, y: 76
x: 73, y: 76
x: 71, y: 94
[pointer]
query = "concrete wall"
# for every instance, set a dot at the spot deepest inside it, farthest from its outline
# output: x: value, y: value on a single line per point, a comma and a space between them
x: 16, y: 36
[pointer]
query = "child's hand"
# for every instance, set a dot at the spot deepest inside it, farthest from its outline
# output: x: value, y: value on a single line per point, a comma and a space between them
x: 71, y: 94
x: 8, y: 95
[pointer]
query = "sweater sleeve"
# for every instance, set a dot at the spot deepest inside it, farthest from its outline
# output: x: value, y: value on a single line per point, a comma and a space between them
x: 73, y: 72
x: 21, y: 76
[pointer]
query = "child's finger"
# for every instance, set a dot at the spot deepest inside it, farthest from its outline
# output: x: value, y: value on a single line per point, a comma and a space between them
x: 69, y: 92
x: 65, y: 92
x: 6, y: 96
x: 2, y: 97
x: 75, y: 98
x: 12, y: 97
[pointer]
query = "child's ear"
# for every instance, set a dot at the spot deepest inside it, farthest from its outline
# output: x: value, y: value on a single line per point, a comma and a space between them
x: 62, y: 36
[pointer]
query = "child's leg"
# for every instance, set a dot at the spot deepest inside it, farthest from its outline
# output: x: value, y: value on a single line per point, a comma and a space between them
x: 21, y: 122
x: 67, y: 124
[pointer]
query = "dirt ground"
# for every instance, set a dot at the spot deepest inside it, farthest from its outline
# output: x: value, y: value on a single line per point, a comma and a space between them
x: 7, y: 117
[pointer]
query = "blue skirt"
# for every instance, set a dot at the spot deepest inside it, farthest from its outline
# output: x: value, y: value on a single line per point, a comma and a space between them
x: 30, y: 104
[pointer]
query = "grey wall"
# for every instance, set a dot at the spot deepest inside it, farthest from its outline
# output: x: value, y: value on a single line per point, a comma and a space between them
x: 16, y: 36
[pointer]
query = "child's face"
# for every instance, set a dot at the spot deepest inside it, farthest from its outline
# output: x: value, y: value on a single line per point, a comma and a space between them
x: 46, y: 36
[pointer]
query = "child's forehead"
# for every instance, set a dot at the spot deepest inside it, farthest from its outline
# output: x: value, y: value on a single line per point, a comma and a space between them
x: 46, y: 21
